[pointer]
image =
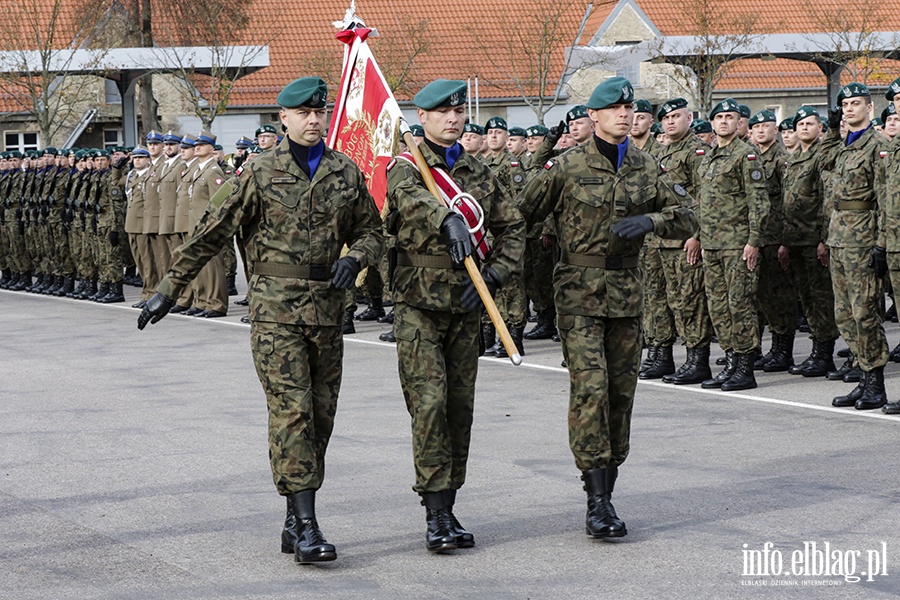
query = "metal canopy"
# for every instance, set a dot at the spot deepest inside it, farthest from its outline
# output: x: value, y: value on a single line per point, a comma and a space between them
x: 126, y: 65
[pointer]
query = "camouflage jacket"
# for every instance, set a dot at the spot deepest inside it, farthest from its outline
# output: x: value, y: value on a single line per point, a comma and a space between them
x: 288, y: 222
x: 587, y: 197
x: 681, y: 160
x: 653, y: 148
x: 415, y: 217
x: 806, y: 213
x: 109, y: 199
x: 501, y: 166
x: 734, y: 204
x: 891, y: 204
x: 772, y: 162
x: 858, y: 176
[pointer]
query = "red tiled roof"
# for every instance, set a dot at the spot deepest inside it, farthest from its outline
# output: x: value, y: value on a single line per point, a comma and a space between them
x: 784, y: 74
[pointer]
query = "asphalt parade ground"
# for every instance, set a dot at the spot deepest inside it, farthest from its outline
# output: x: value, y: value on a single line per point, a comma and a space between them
x: 134, y: 465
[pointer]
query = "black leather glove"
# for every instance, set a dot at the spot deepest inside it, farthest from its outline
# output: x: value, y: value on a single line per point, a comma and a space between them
x: 114, y: 238
x: 556, y: 132
x: 345, y: 271
x: 455, y: 234
x: 835, y: 114
x: 156, y: 308
x: 121, y: 162
x: 878, y: 261
x: 470, y: 299
x: 632, y: 227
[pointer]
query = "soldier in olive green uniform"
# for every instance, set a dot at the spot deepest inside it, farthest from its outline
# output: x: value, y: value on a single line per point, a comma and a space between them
x: 298, y: 205
x: 435, y: 318
x: 681, y: 259
x: 606, y: 195
x: 734, y: 206
x: 890, y: 231
x: 804, y: 233
x: 775, y: 291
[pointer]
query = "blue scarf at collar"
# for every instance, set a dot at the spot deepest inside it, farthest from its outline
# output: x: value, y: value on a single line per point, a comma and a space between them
x: 852, y: 136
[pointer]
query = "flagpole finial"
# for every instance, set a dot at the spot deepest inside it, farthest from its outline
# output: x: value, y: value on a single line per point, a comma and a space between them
x: 351, y: 19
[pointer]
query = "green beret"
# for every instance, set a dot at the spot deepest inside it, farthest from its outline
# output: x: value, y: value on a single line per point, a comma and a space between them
x: 82, y: 154
x: 496, y: 123
x: 578, y: 112
x: 265, y: 129
x: 310, y: 92
x: 615, y: 90
x: 516, y: 132
x: 893, y: 89
x: 763, y: 116
x: 726, y: 105
x: 744, y: 111
x: 536, y: 130
x: 802, y: 113
x: 50, y: 150
x: 100, y: 153
x: 786, y: 124
x: 643, y: 106
x: 656, y: 129
x: 441, y: 92
x: 417, y: 130
x: 671, y: 106
x: 701, y: 126
x: 887, y: 112
x: 473, y: 128
x: 15, y: 154
x: 877, y: 122
x: 853, y: 90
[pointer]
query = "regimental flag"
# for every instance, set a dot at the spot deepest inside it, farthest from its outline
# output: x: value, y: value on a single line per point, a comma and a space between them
x: 366, y: 120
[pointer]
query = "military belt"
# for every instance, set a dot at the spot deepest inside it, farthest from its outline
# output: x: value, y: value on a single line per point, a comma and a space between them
x: 270, y: 269
x: 426, y: 261
x: 612, y: 263
x: 854, y: 205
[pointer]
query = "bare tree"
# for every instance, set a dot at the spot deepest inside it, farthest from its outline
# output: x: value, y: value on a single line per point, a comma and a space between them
x: 398, y: 46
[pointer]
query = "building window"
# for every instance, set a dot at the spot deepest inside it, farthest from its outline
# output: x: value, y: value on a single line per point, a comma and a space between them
x: 112, y: 137
x: 632, y: 73
x: 112, y: 92
x: 21, y: 140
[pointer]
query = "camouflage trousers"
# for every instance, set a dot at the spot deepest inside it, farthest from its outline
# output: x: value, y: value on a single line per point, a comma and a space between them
x: 229, y: 256
x: 21, y: 261
x: 687, y: 297
x: 75, y: 235
x: 89, y: 254
x: 537, y: 274
x: 299, y: 367
x: 859, y: 306
x: 110, y: 265
x: 437, y: 356
x: 658, y: 320
x: 731, y: 294
x: 602, y: 356
x: 63, y: 263
x: 512, y: 302
x: 775, y: 293
x: 5, y: 258
x: 813, y: 283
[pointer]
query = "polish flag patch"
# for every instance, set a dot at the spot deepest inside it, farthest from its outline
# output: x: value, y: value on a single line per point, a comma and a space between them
x: 514, y: 163
x: 883, y: 154
x: 548, y: 164
x: 238, y: 171
x: 701, y: 152
x: 751, y: 157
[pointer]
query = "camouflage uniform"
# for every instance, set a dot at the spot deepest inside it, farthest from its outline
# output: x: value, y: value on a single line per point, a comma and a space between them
x: 437, y: 341
x: 733, y: 209
x: 598, y: 284
x: 293, y: 230
x: 110, y: 195
x: 858, y: 188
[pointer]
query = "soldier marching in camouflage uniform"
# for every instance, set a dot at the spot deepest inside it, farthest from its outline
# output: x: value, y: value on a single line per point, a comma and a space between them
x: 734, y: 207
x: 436, y: 321
x: 297, y: 205
x: 890, y: 231
x: 606, y: 195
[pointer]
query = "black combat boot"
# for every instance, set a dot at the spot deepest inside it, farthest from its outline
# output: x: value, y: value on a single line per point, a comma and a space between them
x: 851, y: 398
x: 89, y: 290
x: 783, y: 359
x: 388, y: 318
x: 516, y: 333
x: 652, y: 351
x: 439, y: 536
x: 601, y: 520
x: 23, y: 282
x: 232, y: 288
x: 76, y: 289
x: 895, y: 354
x: 761, y: 360
x: 310, y: 545
x: 388, y: 336
x: 891, y: 408
x: 289, y: 533
x: 347, y: 326
x: 838, y: 374
x: 374, y: 312
x: 743, y: 378
x: 5, y: 278
x: 544, y: 329
x: 54, y: 286
x: 819, y: 363
x: 874, y: 395
x: 488, y: 337
x: 724, y: 375
x: 34, y: 283
x: 698, y: 370
x: 464, y: 539
x: 102, y: 290
x: 244, y: 302
x: 663, y: 365
x: 115, y: 294
x: 44, y: 281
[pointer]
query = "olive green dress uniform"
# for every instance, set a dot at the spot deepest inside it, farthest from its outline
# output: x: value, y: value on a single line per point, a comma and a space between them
x: 437, y: 341
x: 293, y: 230
x: 734, y: 206
x: 182, y: 219
x: 134, y: 226
x: 159, y: 250
x: 210, y: 287
x: 170, y: 173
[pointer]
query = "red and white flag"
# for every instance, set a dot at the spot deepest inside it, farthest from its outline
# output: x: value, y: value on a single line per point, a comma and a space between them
x: 366, y: 120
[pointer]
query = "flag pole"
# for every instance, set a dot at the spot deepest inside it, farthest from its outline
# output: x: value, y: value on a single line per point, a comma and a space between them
x: 471, y: 267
